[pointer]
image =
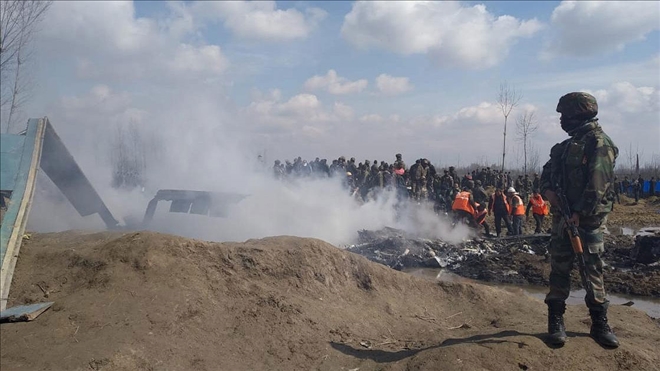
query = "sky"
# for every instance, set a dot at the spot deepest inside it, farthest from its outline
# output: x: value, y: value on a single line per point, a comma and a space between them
x: 363, y: 79
x: 211, y: 85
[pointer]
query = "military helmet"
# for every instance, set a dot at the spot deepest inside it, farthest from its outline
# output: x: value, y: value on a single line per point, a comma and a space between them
x: 578, y: 104
x: 398, y: 155
x: 451, y: 168
x: 277, y: 162
x: 478, y: 182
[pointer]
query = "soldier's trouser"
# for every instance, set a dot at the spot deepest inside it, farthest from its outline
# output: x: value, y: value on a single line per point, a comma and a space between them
x: 422, y: 193
x: 539, y: 222
x: 562, y: 257
x: 498, y: 223
x: 517, y: 225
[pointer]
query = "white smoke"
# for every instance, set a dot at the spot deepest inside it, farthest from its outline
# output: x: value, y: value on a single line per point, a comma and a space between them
x: 201, y: 150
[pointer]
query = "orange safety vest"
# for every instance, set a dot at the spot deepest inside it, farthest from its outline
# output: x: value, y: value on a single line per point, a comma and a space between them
x: 480, y: 216
x: 462, y: 202
x: 520, y: 209
x: 538, y: 205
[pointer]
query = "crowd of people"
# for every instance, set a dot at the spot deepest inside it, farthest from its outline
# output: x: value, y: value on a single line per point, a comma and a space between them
x: 634, y: 188
x: 464, y: 196
x: 422, y: 182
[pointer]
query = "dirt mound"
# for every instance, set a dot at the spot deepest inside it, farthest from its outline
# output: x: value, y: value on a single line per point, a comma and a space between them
x: 147, y: 301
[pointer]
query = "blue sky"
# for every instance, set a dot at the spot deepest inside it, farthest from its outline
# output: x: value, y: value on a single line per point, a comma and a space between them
x: 440, y: 67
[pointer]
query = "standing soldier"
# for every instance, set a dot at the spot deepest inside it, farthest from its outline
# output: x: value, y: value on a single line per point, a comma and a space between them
x: 278, y: 171
x: 617, y: 189
x: 399, y: 164
x: 479, y: 193
x: 422, y: 181
x: 635, y: 189
x: 652, y: 186
x: 536, y: 182
x: 453, y: 174
x: 519, y: 184
x: 640, y: 189
x: 527, y: 191
x: 539, y: 210
x: 626, y: 186
x: 414, y: 174
x: 583, y: 168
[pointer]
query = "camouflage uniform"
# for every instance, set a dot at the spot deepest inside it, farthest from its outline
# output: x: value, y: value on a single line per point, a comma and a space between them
x: 583, y: 166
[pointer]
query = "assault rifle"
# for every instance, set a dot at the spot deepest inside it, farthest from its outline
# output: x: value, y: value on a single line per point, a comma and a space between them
x: 576, y: 242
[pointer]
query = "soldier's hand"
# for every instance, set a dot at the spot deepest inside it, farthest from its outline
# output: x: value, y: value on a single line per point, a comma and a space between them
x: 575, y: 219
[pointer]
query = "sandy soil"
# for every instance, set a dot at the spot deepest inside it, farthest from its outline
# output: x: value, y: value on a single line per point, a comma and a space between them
x: 147, y: 301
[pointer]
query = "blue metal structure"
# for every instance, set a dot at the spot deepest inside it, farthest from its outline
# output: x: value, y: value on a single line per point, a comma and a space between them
x: 21, y: 155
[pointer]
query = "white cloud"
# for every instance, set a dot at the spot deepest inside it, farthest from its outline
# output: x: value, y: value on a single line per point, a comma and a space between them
x: 625, y: 97
x: 638, y: 73
x: 586, y: 28
x: 334, y: 84
x: 390, y: 85
x: 372, y: 117
x: 107, y: 40
x: 453, y: 35
x: 261, y: 20
x: 207, y: 58
x: 268, y: 113
x: 343, y: 111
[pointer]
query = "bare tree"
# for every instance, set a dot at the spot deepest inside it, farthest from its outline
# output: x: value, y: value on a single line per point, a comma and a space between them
x: 526, y: 125
x: 128, y: 157
x: 18, y: 21
x: 507, y: 98
x: 631, y: 158
x: 534, y: 158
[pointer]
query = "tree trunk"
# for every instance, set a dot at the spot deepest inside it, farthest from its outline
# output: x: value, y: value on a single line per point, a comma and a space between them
x: 504, y: 145
x: 15, y: 91
x: 525, y: 152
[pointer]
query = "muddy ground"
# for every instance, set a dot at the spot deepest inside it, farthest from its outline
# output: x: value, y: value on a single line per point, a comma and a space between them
x: 524, y: 261
x: 148, y: 301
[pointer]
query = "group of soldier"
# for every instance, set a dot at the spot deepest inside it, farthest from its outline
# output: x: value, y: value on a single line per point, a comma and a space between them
x: 422, y: 183
x: 634, y: 188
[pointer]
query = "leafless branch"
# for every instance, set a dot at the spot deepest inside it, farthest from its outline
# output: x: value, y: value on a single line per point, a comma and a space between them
x: 507, y: 98
x: 18, y: 21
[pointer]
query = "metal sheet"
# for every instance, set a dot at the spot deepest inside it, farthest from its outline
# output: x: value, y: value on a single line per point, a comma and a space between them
x: 11, y: 152
x: 63, y: 170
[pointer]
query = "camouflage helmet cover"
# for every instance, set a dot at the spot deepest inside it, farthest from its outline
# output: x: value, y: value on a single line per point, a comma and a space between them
x: 578, y: 104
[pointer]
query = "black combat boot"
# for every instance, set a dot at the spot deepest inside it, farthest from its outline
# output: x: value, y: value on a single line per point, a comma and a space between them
x: 600, y: 330
x: 556, y: 329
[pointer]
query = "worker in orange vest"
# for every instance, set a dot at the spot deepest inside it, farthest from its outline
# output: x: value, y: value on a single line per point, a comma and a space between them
x: 464, y: 206
x: 517, y: 210
x: 539, y: 209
